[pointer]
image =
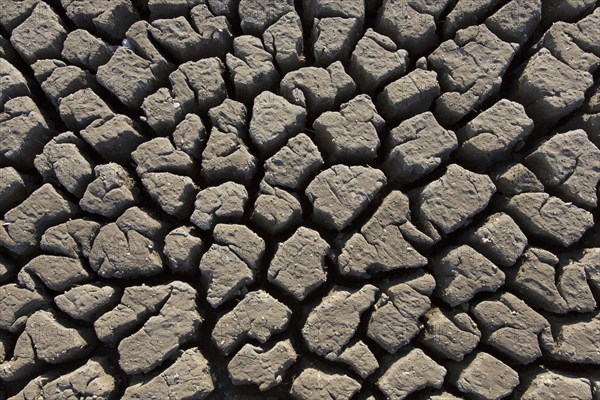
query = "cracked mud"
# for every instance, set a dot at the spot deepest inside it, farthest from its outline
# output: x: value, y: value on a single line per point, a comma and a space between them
x: 299, y: 199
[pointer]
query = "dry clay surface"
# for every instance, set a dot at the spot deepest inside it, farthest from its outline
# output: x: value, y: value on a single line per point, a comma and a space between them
x: 309, y: 199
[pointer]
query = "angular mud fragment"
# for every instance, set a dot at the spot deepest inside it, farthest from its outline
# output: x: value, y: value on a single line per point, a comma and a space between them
x: 339, y: 194
x: 484, y: 377
x: 251, y: 68
x: 190, y: 135
x: 66, y: 80
x: 575, y: 341
x: 333, y: 323
x: 177, y: 37
x: 409, y: 373
x: 274, y: 121
x: 173, y: 193
x: 64, y: 161
x: 376, y: 61
x: 549, y: 88
x: 384, y: 242
x: 534, y: 280
x: 224, y: 274
x: 23, y: 132
x: 565, y: 10
x: 14, y: 188
x: 87, y: 302
x: 548, y: 217
x: 318, y: 89
x: 7, y: 272
x: 85, y: 50
x: 574, y: 44
x: 183, y: 249
x: 111, y: 19
x: 261, y: 367
x: 42, y: 69
x: 258, y: 15
x: 499, y: 239
x: 230, y: 117
x: 169, y: 8
x: 334, y: 39
x: 333, y: 8
x: 94, y: 380
x: 452, y: 335
x: 226, y: 8
x: 360, y: 358
x: 227, y: 158
x: 12, y: 82
x: 55, y: 272
x: 442, y: 395
x: 258, y: 316
x: 113, y: 191
x: 40, y: 36
x: 215, y: 31
x: 579, y: 278
x: 159, y: 155
x: 511, y: 326
x: 298, y: 265
x: 114, y: 138
x: 188, y: 377
x: 124, y: 253
x: 294, y: 164
x: 462, y: 272
x: 205, y: 79
x: 14, y: 13
x: 453, y: 200
x: 137, y: 304
x: 72, y: 239
x: 470, y: 69
x: 550, y: 384
x: 163, y: 111
x: 352, y: 134
x: 408, y: 96
x: 82, y: 108
x: 276, y: 210
x: 317, y: 384
x: 246, y: 244
x: 4, y: 346
x: 416, y: 147
x: 24, y: 362
x: 395, y: 320
x: 516, y: 21
x: 569, y: 163
x: 18, y: 304
x: 24, y: 225
x: 411, y: 24
x: 128, y: 76
x: 54, y: 341
x: 465, y: 14
x: 285, y: 42
x: 493, y: 134
x: 145, y: 221
x: 516, y: 179
x: 223, y: 203
x: 138, y: 39
x: 163, y: 334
